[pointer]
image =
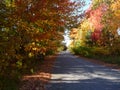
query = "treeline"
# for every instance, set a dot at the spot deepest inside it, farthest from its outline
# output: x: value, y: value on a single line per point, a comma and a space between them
x: 31, y: 29
x: 98, y: 34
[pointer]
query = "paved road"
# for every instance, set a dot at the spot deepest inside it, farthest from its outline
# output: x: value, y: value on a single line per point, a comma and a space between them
x: 73, y: 73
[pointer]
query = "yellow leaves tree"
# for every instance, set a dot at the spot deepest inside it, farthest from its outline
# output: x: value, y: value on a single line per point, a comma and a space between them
x: 111, y: 23
x: 31, y: 28
x: 85, y: 27
x: 115, y: 7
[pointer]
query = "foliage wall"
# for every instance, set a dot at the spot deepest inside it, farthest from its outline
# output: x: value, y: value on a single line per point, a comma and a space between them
x: 99, y: 29
x: 30, y: 29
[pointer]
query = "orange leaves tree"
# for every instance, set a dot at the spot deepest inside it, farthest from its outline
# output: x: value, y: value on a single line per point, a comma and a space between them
x: 91, y: 26
x: 29, y: 28
x: 110, y: 21
x: 101, y: 24
x: 46, y: 17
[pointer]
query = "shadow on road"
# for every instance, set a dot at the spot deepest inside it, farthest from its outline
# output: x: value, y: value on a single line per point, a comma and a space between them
x: 73, y: 73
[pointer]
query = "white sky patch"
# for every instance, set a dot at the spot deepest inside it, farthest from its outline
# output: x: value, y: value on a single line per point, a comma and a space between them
x: 87, y: 3
x: 118, y: 31
x: 67, y: 40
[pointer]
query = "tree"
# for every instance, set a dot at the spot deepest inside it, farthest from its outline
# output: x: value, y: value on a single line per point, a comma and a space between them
x: 108, y: 21
x: 29, y: 28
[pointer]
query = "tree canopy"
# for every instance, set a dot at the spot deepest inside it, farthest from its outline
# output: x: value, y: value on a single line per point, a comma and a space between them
x: 29, y: 28
x: 99, y: 28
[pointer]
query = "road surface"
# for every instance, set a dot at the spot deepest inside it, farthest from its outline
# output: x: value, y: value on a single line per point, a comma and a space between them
x: 73, y: 73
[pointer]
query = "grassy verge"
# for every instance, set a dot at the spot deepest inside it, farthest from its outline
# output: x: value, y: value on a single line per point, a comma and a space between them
x: 9, y: 83
x: 98, y: 53
x: 109, y: 59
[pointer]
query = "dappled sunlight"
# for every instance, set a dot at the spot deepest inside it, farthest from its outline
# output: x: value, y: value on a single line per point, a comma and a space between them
x: 71, y: 78
x: 40, y: 76
x: 73, y: 73
x: 68, y: 78
x: 105, y: 75
x: 38, y: 79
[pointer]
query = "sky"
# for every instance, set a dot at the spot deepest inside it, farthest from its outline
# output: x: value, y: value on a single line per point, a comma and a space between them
x: 87, y: 3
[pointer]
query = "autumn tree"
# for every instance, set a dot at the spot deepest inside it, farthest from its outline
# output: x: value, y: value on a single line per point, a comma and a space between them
x: 29, y: 28
x: 111, y: 22
x: 91, y: 26
x: 46, y: 16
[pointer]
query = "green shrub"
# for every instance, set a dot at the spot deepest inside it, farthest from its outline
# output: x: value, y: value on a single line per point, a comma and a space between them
x: 50, y: 52
x: 100, y: 51
x: 115, y: 50
x: 82, y: 50
x: 9, y: 83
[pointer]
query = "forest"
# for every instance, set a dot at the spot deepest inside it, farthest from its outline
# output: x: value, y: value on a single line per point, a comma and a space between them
x: 30, y: 30
x: 98, y: 36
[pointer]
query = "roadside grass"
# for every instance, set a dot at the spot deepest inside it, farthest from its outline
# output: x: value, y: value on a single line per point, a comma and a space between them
x: 97, y: 53
x: 108, y: 59
x: 9, y: 83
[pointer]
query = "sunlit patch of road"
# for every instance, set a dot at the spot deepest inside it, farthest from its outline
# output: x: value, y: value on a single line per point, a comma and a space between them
x: 73, y: 73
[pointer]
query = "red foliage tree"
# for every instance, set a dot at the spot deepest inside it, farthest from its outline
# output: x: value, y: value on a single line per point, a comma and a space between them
x: 95, y: 17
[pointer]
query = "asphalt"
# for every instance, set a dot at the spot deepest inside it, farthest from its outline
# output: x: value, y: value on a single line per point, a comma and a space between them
x: 73, y: 73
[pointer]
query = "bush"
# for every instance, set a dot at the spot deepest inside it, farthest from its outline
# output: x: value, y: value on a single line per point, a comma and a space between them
x: 100, y: 51
x: 115, y: 50
x: 50, y: 52
x: 9, y: 83
x: 91, y: 51
x: 81, y: 50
